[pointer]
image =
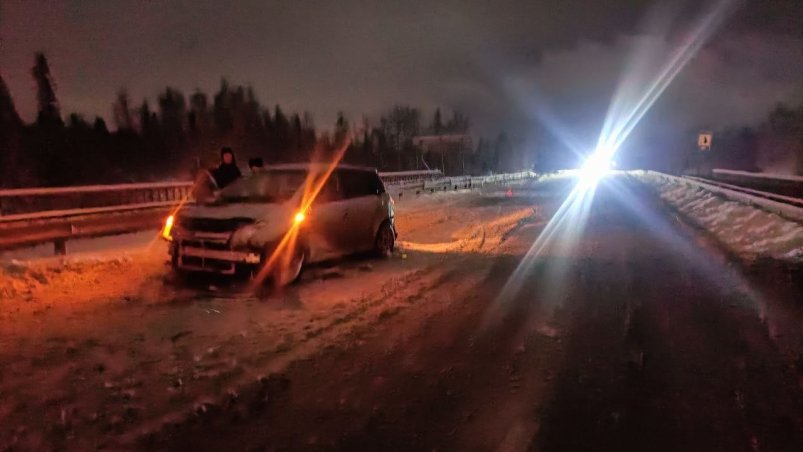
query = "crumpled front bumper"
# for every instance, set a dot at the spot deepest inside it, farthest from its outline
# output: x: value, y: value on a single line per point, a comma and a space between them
x: 209, y: 252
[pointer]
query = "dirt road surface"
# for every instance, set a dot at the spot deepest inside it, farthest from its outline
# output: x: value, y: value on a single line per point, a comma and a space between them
x: 637, y: 334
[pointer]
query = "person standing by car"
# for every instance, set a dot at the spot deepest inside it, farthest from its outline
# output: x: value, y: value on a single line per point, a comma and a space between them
x: 227, y: 171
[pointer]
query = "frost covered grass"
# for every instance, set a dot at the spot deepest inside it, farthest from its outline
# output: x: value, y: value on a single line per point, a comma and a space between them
x: 746, y: 230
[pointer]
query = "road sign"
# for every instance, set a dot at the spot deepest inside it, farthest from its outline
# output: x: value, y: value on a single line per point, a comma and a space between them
x: 704, y: 141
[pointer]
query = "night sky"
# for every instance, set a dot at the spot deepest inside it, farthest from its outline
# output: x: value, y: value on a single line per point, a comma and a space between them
x: 506, y: 62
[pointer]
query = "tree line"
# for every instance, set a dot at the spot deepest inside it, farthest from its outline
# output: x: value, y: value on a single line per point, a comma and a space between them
x: 176, y: 134
x: 774, y: 145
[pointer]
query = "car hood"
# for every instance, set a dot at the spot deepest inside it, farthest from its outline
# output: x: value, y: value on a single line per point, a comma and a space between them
x: 252, y: 211
x: 270, y: 221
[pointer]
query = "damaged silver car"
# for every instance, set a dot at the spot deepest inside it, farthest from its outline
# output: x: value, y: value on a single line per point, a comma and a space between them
x: 275, y: 222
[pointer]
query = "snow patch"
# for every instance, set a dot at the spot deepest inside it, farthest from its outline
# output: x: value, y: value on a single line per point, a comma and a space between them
x: 88, y: 248
x: 746, y: 230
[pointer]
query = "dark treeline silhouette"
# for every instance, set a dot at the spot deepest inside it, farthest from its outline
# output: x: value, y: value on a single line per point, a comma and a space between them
x: 779, y: 140
x: 174, y: 135
x: 773, y: 146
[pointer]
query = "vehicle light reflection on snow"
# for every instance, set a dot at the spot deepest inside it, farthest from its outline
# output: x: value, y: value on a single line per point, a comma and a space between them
x: 636, y: 94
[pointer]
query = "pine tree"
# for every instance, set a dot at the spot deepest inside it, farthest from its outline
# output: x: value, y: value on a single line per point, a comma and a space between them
x: 47, y: 144
x: 199, y: 113
x: 281, y: 136
x: 172, y: 112
x: 341, y: 129
x: 48, y: 105
x: 400, y: 125
x: 10, y: 139
x: 122, y: 111
x: 8, y: 112
x: 173, y: 120
x: 458, y: 124
x: 297, y: 137
x: 309, y: 137
x: 99, y: 126
x: 146, y: 124
x: 437, y: 123
x: 222, y: 111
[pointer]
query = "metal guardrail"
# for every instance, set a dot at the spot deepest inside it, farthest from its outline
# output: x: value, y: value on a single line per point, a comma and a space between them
x: 784, y: 206
x: 65, y: 201
x: 761, y: 194
x: 41, y: 215
x: 16, y: 203
x: 775, y: 183
x: 392, y: 177
x: 763, y: 176
x: 453, y: 183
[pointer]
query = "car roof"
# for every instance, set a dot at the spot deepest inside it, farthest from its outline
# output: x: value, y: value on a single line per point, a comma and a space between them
x: 317, y: 167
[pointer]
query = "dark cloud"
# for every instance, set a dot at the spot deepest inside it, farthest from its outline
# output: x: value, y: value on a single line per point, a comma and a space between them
x: 503, y: 61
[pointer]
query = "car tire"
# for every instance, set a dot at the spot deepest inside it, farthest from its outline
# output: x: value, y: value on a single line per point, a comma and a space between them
x: 178, y: 274
x: 284, y: 276
x: 385, y: 241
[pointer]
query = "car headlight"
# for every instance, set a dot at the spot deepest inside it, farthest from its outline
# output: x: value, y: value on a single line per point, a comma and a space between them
x: 168, y: 228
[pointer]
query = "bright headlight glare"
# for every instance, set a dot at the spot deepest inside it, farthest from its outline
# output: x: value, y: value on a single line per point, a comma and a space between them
x: 595, y: 167
x: 299, y: 217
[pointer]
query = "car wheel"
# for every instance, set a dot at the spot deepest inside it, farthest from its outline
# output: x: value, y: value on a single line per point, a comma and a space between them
x: 385, y: 241
x: 178, y: 272
x: 285, y: 275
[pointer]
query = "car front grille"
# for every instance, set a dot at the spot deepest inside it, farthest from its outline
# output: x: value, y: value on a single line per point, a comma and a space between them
x: 213, y: 224
x: 207, y: 264
x: 206, y: 244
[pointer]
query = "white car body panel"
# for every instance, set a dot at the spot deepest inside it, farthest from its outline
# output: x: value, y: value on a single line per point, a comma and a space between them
x: 330, y: 229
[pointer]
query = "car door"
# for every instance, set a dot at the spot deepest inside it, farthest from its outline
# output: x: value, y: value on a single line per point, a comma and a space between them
x: 364, y: 202
x: 328, y: 221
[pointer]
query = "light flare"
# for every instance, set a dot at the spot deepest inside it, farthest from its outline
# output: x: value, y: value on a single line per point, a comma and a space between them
x: 283, y: 254
x: 628, y: 106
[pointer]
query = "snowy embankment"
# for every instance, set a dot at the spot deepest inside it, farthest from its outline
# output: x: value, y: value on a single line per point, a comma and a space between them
x: 745, y: 229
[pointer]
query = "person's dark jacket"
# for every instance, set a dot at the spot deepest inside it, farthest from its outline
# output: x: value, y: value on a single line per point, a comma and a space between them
x: 225, y: 174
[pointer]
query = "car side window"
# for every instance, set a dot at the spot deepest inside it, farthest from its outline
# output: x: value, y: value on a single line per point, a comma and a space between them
x: 357, y: 183
x: 330, y: 191
x: 375, y: 183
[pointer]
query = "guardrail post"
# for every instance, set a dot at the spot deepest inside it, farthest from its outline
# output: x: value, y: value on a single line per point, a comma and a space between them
x: 60, y: 247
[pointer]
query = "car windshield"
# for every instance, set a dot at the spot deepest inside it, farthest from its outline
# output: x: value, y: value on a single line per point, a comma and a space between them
x: 271, y: 186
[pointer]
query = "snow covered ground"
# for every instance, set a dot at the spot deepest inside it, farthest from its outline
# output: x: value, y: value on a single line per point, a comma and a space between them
x: 124, y: 348
x: 86, y: 248
x: 104, y: 350
x: 746, y: 230
x: 121, y: 260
